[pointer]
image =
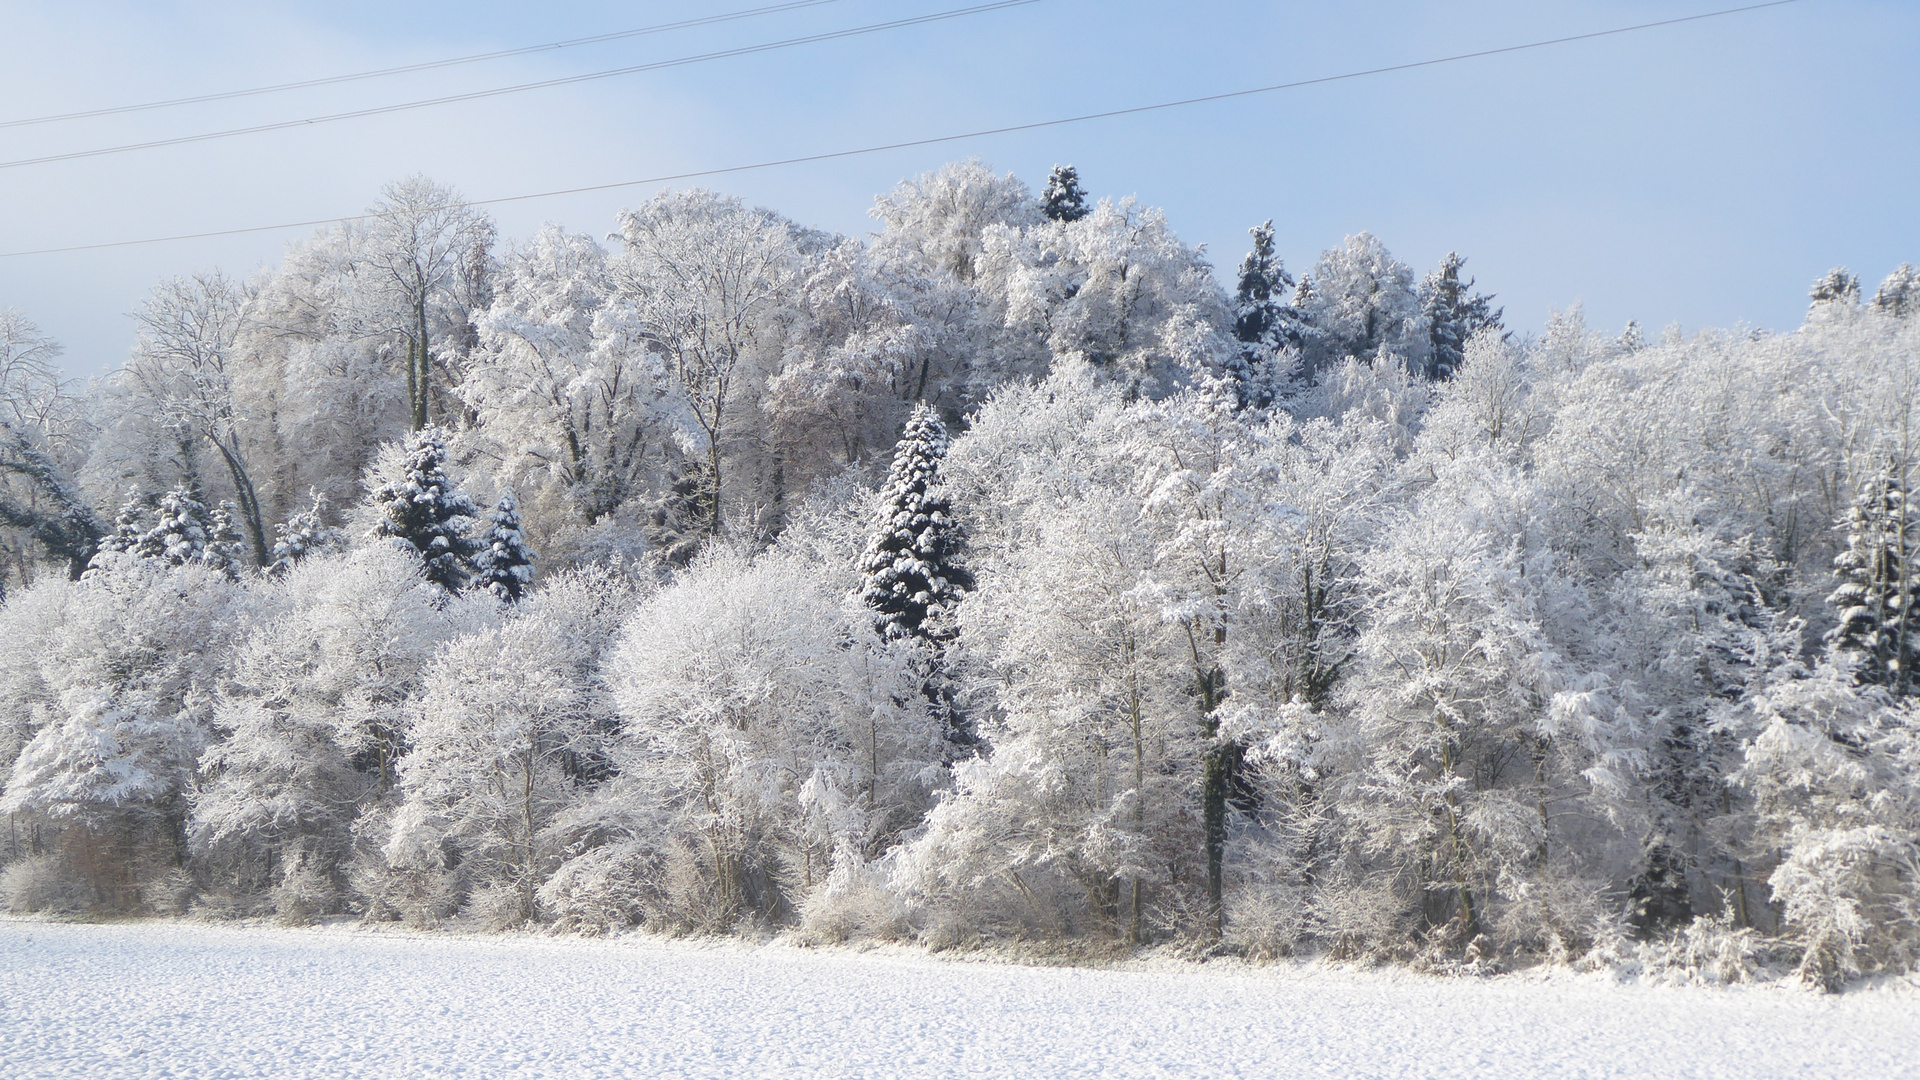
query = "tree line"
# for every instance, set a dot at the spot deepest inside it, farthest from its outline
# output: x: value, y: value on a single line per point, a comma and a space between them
x: 1001, y: 575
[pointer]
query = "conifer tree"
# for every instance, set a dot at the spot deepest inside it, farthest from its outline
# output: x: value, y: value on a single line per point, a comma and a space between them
x: 1064, y: 199
x: 1879, y: 620
x: 912, y: 568
x: 180, y: 532
x: 422, y: 508
x: 129, y: 523
x: 1839, y: 286
x: 225, y: 551
x: 305, y: 533
x: 1453, y: 316
x: 1259, y: 320
x: 1633, y: 338
x: 504, y: 564
x: 1899, y: 295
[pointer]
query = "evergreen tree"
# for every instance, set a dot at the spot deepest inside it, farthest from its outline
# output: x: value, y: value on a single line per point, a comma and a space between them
x: 1064, y: 199
x: 1879, y: 621
x: 305, y: 533
x: 504, y: 564
x: 225, y: 551
x: 1899, y: 295
x: 1260, y: 321
x: 1633, y: 338
x: 1453, y: 316
x: 1263, y: 283
x: 422, y: 508
x: 128, y: 525
x: 180, y: 532
x: 1840, y: 286
x: 914, y: 577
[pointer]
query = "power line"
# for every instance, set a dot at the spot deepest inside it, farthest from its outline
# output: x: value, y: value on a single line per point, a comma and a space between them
x: 430, y: 65
x: 909, y: 144
x: 476, y: 95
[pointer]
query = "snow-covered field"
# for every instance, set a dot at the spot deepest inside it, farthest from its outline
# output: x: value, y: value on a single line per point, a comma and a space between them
x: 182, y: 1000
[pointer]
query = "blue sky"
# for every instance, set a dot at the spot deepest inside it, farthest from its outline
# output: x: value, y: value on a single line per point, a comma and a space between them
x: 1703, y: 174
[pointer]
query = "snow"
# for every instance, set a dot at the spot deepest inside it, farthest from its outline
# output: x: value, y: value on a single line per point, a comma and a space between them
x: 179, y: 999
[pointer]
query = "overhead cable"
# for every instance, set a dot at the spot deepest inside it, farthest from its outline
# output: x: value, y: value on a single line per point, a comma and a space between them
x: 499, y: 91
x: 429, y: 65
x: 933, y: 141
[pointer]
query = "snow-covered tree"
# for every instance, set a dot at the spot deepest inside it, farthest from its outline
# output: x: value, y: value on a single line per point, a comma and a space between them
x: 1262, y: 322
x: 702, y: 285
x: 937, y: 222
x: 41, y: 432
x: 1899, y: 294
x: 767, y: 739
x: 1117, y: 289
x: 1832, y: 773
x: 913, y: 571
x: 1838, y: 291
x: 1064, y: 199
x: 305, y: 533
x: 315, y: 722
x: 180, y: 531
x: 1363, y: 304
x: 1878, y: 598
x: 507, y: 734
x: 503, y: 565
x: 132, y: 669
x: 1453, y: 315
x: 569, y: 404
x: 912, y: 565
x: 430, y: 253
x: 416, y: 504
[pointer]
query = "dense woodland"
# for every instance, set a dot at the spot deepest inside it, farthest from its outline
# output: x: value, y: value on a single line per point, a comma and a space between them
x: 1003, y: 575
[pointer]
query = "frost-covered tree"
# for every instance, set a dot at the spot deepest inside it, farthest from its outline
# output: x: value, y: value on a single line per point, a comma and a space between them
x: 40, y: 436
x: 507, y: 734
x: 1116, y: 289
x: 1450, y: 775
x: 1832, y: 771
x: 568, y: 401
x: 702, y: 285
x: 430, y: 254
x: 503, y: 563
x: 1064, y: 199
x: 188, y: 375
x: 1363, y: 304
x: 129, y: 674
x: 315, y: 722
x: 767, y: 741
x: 416, y: 504
x: 937, y: 222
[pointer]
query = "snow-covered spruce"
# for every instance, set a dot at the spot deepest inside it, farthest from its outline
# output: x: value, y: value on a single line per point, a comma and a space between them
x: 914, y: 575
x: 503, y: 565
x: 419, y: 506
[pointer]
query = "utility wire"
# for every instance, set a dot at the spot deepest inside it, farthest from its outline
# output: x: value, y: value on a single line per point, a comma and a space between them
x: 430, y: 65
x: 1136, y: 110
x: 498, y: 91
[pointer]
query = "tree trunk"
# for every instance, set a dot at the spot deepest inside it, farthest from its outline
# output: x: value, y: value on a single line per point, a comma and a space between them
x: 249, y: 500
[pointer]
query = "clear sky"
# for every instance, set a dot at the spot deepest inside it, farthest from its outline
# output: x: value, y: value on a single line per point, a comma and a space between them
x: 1703, y: 174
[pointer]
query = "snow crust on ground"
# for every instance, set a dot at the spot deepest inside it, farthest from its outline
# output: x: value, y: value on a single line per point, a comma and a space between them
x: 169, y: 999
